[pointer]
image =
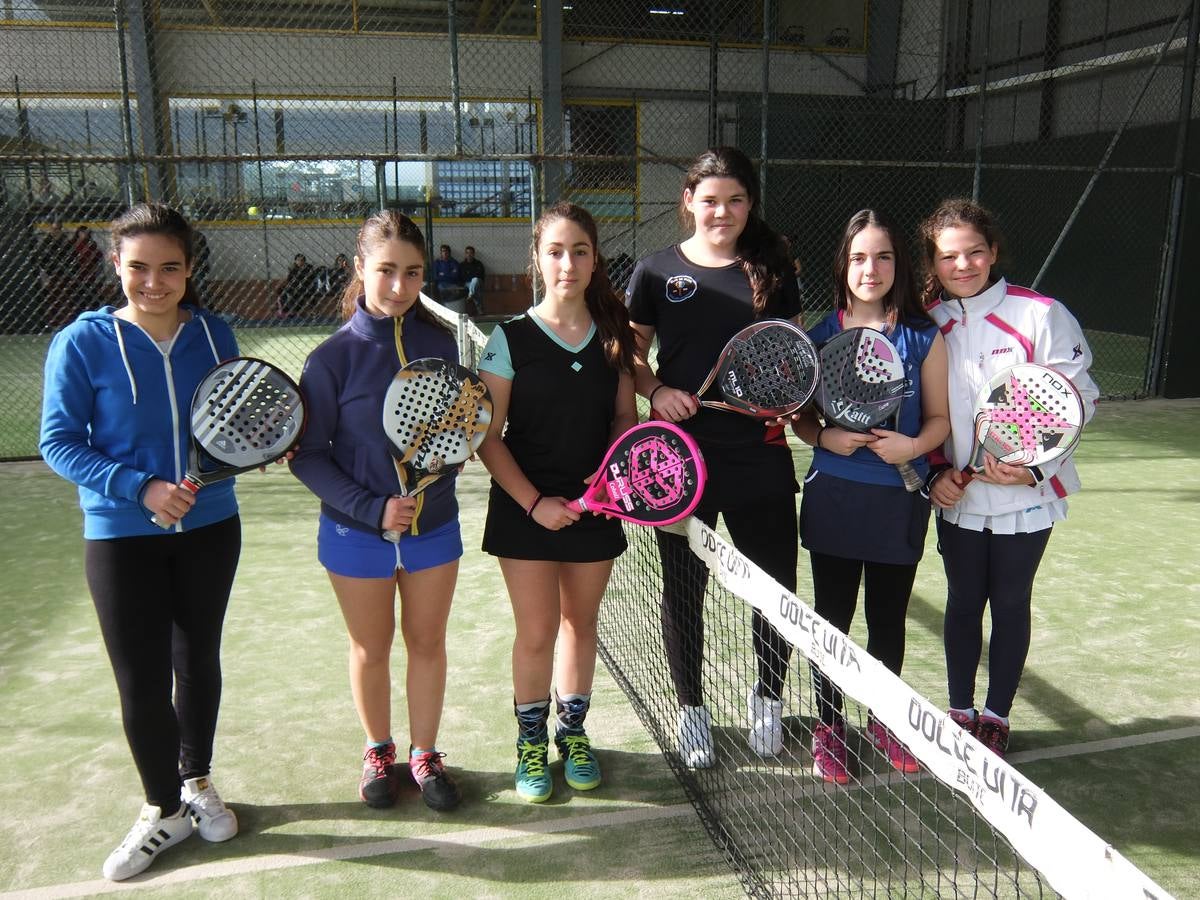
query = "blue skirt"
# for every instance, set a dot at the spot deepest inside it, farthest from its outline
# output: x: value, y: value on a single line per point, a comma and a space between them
x: 853, y: 520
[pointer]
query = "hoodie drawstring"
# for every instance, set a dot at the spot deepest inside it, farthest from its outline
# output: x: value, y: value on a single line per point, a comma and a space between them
x: 125, y: 359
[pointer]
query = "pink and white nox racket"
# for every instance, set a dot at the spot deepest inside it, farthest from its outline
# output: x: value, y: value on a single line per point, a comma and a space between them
x: 1026, y: 415
x: 653, y: 474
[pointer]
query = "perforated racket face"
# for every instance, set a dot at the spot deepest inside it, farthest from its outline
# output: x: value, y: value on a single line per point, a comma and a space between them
x: 1027, y: 415
x: 436, y: 414
x: 768, y: 369
x: 862, y: 381
x: 246, y: 412
x: 654, y: 474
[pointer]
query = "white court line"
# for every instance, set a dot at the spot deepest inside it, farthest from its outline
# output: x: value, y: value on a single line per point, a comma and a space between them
x: 475, y: 837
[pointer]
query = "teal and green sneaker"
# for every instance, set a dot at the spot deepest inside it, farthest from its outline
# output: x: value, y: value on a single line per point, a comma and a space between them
x: 579, y: 760
x: 533, y: 770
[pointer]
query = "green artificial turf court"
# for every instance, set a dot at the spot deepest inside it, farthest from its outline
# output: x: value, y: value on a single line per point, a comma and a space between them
x: 1107, y: 718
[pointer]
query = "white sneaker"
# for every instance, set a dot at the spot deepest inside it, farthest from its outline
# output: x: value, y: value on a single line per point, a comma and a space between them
x: 695, y: 737
x: 217, y: 821
x: 150, y: 835
x: 766, y: 725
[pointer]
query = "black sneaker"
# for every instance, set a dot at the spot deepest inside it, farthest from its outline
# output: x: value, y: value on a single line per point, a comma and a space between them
x: 380, y: 784
x: 438, y: 789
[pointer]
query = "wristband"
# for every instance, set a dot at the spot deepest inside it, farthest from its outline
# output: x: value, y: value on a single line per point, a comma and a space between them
x: 661, y: 385
x: 533, y: 505
x: 817, y: 442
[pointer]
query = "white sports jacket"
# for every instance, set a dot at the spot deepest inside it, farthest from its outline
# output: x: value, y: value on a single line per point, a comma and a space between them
x: 1003, y: 326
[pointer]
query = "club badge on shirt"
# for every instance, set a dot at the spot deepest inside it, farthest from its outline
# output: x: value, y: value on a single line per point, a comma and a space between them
x: 680, y: 288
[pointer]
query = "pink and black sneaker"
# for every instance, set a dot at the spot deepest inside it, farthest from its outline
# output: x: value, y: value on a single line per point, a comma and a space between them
x: 829, y: 753
x: 380, y: 783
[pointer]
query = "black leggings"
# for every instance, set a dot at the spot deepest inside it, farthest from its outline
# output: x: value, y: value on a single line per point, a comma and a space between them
x: 983, y: 568
x: 766, y: 533
x: 161, y: 603
x: 835, y: 588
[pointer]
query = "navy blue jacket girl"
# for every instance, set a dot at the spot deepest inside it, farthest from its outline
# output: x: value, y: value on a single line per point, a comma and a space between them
x: 343, y: 457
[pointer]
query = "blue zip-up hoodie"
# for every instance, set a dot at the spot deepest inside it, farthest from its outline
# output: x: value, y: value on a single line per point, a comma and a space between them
x: 343, y: 457
x: 115, y: 413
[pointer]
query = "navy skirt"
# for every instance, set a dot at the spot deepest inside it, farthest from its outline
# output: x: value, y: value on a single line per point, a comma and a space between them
x: 872, y: 522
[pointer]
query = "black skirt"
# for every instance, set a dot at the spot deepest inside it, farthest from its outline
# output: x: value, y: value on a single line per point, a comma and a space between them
x: 854, y: 520
x: 510, y: 534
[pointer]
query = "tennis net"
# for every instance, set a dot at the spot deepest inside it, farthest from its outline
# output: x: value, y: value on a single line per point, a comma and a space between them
x: 966, y: 825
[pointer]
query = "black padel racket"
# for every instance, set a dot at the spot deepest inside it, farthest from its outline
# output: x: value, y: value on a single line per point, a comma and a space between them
x: 435, y: 414
x: 1026, y: 415
x: 653, y: 474
x: 766, y: 370
x: 245, y: 414
x: 863, y: 385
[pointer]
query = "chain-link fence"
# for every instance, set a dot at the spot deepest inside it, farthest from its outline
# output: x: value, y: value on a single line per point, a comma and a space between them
x: 277, y: 127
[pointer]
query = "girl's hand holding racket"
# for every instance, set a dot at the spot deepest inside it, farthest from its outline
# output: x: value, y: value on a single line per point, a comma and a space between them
x: 168, y: 502
x: 554, y: 513
x: 673, y: 405
x: 947, y: 489
x: 893, y: 447
x: 398, y: 513
x: 843, y: 442
x: 996, y: 472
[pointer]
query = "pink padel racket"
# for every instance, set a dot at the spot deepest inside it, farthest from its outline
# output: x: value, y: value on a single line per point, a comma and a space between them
x: 653, y: 474
x: 1026, y: 415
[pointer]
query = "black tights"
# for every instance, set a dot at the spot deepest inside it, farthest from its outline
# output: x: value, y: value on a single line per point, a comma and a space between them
x: 766, y: 533
x: 981, y: 569
x: 835, y: 588
x: 161, y: 603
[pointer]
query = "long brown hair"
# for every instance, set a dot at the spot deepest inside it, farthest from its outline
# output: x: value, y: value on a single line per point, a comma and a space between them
x: 957, y: 212
x: 762, y: 251
x: 901, y: 302
x: 605, y: 307
x: 386, y: 225
x: 157, y: 218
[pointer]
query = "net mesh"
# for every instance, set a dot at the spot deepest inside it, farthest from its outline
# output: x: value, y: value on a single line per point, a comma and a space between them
x: 787, y: 833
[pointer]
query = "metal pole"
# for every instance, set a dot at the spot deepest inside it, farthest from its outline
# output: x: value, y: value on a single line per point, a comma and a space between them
x: 126, y: 118
x: 983, y: 77
x: 533, y: 216
x: 714, y: 52
x: 455, y: 96
x: 262, y: 198
x: 1112, y: 144
x: 396, y: 137
x: 766, y: 93
x: 1165, y: 307
x: 24, y: 133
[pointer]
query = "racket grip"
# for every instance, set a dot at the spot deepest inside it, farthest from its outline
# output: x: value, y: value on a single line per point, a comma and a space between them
x: 966, y: 476
x: 188, y: 485
x: 912, y: 481
x: 392, y: 537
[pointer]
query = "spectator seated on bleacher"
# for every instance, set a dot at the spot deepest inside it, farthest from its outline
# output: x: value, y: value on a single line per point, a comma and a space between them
x: 447, y: 279
x: 472, y: 273
x: 298, y: 295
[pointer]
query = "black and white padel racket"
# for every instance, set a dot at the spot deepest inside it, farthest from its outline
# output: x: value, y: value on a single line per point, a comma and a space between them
x: 436, y: 413
x: 863, y: 385
x: 766, y: 370
x: 653, y: 474
x: 245, y: 413
x: 1026, y: 415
